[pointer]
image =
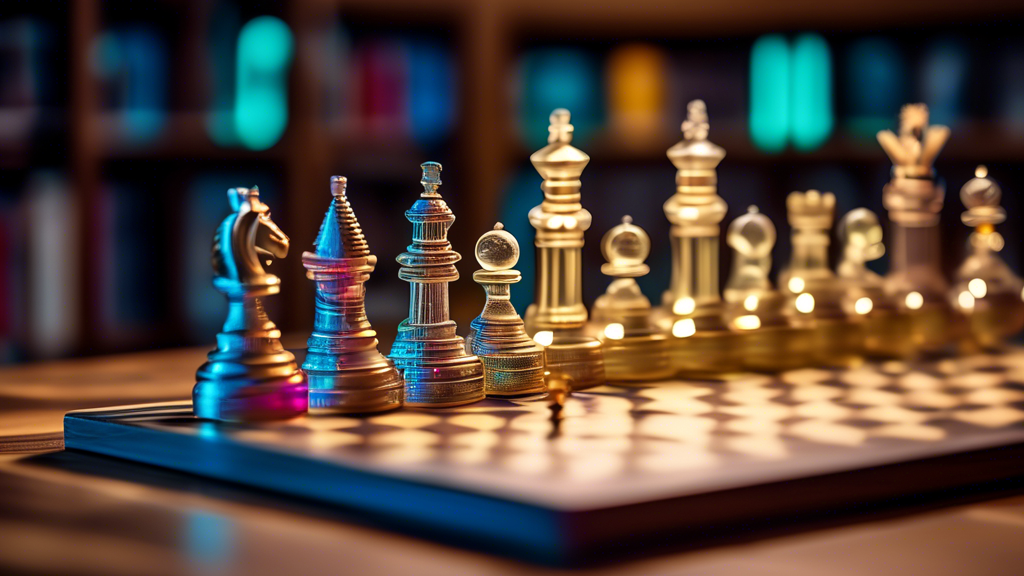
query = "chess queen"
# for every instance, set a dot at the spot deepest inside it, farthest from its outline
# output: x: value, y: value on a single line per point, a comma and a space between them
x: 250, y: 376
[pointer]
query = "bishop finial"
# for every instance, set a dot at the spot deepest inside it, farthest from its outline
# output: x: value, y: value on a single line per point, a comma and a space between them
x: 560, y: 129
x: 696, y: 125
x: 431, y: 179
x: 338, y: 185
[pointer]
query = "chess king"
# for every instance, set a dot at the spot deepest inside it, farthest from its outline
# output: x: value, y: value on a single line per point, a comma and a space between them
x: 431, y: 356
x: 691, y: 310
x: 557, y: 319
x: 346, y: 372
x: 914, y: 198
x: 985, y: 291
x: 250, y: 376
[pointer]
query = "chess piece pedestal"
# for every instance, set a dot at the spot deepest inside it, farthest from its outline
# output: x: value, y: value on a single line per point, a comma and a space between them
x: 557, y: 319
x: 815, y: 295
x: 986, y: 292
x: 754, y: 310
x: 346, y: 372
x: 887, y: 333
x: 634, y: 351
x: 700, y: 343
x: 513, y: 362
x: 250, y: 376
x: 429, y: 353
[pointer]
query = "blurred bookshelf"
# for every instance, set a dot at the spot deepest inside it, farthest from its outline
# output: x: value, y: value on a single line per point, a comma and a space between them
x: 115, y: 157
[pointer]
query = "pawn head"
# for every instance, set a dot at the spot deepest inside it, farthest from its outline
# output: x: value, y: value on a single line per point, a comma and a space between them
x: 752, y: 234
x: 497, y: 249
x: 860, y: 231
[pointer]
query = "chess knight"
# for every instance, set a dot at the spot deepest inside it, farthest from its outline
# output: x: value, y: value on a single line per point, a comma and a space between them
x: 914, y: 200
x: 557, y: 319
x: 691, y: 310
x: 985, y: 290
x: 250, y: 376
x: 346, y: 372
x: 431, y: 356
x: 513, y: 362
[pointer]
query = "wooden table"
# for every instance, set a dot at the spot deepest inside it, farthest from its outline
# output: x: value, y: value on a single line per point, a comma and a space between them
x: 71, y: 513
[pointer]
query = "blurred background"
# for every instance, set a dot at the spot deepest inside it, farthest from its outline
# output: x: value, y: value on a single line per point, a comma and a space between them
x: 122, y: 125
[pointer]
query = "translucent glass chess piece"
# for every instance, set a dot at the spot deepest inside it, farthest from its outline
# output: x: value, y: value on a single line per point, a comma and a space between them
x: 914, y: 198
x: 431, y: 356
x: 633, y: 349
x: 814, y: 294
x: 691, y: 312
x: 513, y: 362
x: 250, y: 376
x: 768, y: 342
x: 346, y: 372
x: 985, y: 291
x: 557, y: 318
x: 887, y: 333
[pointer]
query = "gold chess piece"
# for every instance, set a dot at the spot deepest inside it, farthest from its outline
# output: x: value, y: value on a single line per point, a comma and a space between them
x: 814, y: 294
x: 914, y: 200
x: 346, y: 372
x: 250, y: 376
x: 633, y: 349
x: 753, y: 308
x: 986, y: 292
x: 557, y: 319
x: 887, y: 333
x: 691, y: 311
x: 513, y: 362
x: 431, y: 356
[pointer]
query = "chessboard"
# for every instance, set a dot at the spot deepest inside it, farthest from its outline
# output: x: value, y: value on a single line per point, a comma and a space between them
x: 625, y: 465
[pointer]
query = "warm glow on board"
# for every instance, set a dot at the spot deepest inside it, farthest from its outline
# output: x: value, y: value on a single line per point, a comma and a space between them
x: 684, y: 328
x: 863, y: 305
x: 805, y: 303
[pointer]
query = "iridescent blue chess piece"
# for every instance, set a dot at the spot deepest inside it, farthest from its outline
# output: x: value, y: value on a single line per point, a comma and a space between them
x: 250, y: 376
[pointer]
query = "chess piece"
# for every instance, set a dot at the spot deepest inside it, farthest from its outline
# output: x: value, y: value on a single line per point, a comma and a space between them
x: 691, y: 310
x: 557, y: 319
x: 346, y: 372
x: 633, y: 349
x: 431, y: 356
x: 559, y: 386
x: 768, y: 342
x: 814, y: 294
x: 986, y: 292
x: 887, y: 333
x: 513, y: 362
x: 250, y: 376
x: 914, y: 198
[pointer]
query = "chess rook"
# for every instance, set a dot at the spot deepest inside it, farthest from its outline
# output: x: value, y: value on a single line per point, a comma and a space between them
x: 691, y: 311
x: 815, y: 295
x: 513, y: 362
x: 558, y: 317
x: 346, y: 372
x: 887, y: 333
x: 431, y: 356
x: 768, y: 341
x: 633, y: 349
x: 914, y: 200
x: 986, y: 292
x: 250, y: 376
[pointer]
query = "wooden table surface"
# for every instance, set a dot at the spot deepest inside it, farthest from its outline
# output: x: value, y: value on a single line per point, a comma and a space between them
x: 71, y: 513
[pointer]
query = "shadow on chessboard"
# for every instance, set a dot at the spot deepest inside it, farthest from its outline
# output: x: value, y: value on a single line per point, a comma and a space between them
x: 736, y: 525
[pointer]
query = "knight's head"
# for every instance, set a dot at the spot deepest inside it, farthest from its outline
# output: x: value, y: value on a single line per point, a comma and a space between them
x: 269, y: 241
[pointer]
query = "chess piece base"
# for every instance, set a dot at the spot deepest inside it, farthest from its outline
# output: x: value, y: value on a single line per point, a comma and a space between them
x: 933, y: 327
x: 705, y: 353
x: 837, y: 343
x: 637, y: 358
x: 438, y: 373
x: 235, y: 401
x: 995, y: 318
x: 776, y: 348
x: 358, y: 392
x: 513, y: 376
x: 888, y: 334
x: 580, y: 357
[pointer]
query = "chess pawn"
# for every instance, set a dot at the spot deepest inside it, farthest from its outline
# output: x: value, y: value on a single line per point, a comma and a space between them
x: 633, y: 349
x: 430, y: 355
x: 914, y: 200
x: 815, y: 295
x: 986, y: 292
x: 753, y: 308
x: 346, y: 372
x: 557, y: 319
x: 513, y: 362
x: 887, y: 333
x: 691, y: 312
x: 250, y: 376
